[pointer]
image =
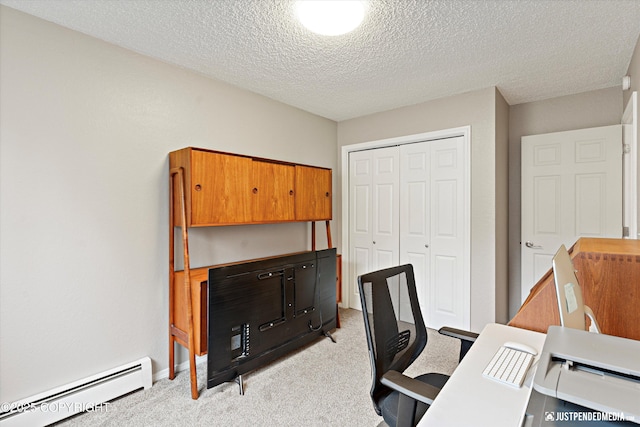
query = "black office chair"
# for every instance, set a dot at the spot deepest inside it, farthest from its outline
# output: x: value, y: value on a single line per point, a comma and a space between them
x: 396, y: 335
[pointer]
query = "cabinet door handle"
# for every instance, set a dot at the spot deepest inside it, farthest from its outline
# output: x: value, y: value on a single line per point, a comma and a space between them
x: 326, y: 194
x: 198, y: 187
x: 291, y: 192
x: 255, y: 190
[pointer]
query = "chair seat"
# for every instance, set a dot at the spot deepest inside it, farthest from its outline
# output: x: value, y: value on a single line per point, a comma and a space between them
x: 389, y: 405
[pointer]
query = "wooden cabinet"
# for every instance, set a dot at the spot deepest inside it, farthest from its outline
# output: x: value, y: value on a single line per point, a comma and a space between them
x: 199, y: 278
x: 313, y: 193
x: 219, y: 188
x: 273, y: 192
x: 227, y: 189
x: 211, y: 188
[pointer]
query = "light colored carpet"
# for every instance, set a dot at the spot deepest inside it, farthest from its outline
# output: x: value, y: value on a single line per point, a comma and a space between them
x: 323, y: 384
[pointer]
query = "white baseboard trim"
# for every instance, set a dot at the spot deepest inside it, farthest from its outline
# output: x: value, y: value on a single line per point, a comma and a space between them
x: 88, y: 394
x: 184, y: 366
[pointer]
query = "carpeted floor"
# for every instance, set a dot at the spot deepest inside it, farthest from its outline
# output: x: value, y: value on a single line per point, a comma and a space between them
x: 323, y: 384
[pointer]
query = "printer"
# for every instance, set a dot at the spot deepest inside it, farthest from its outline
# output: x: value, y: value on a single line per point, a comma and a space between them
x: 584, y: 379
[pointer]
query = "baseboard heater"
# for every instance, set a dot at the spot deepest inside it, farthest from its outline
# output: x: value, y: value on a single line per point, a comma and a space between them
x: 89, y: 394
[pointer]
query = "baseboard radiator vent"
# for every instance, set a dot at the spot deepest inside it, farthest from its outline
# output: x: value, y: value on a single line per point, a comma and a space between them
x: 90, y: 394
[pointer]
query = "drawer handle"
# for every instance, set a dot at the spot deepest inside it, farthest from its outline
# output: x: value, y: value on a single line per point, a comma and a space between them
x: 255, y: 190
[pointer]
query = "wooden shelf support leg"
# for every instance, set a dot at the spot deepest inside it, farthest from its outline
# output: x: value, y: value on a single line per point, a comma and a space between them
x: 172, y: 270
x: 187, y: 286
x: 330, y: 245
x: 313, y: 235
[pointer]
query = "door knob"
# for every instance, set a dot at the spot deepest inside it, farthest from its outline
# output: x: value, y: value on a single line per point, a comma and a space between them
x: 531, y: 245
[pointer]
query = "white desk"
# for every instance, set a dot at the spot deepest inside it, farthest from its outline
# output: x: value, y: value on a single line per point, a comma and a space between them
x: 470, y: 400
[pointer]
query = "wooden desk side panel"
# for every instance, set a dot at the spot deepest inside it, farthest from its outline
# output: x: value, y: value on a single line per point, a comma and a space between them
x: 610, y: 285
x: 540, y: 309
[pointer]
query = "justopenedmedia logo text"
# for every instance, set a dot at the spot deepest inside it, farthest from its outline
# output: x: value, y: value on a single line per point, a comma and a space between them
x: 586, y: 416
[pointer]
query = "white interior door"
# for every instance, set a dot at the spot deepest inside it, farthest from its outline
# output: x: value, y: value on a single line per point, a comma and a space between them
x: 373, y: 213
x: 432, y: 228
x: 571, y: 188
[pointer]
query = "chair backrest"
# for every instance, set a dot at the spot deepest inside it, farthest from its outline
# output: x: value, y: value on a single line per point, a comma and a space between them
x: 395, y: 330
x: 569, y: 293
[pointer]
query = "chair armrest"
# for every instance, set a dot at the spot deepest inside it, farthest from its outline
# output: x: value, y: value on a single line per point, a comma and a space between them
x: 411, y: 387
x: 458, y: 333
x: 466, y: 338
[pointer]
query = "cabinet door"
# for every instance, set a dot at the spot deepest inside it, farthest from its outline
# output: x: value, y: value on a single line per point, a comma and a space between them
x: 272, y: 192
x: 313, y: 193
x: 220, y: 188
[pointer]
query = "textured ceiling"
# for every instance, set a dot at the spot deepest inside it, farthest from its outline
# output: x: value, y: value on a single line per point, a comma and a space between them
x: 405, y: 52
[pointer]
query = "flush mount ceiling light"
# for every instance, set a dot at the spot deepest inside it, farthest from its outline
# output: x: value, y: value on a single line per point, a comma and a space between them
x: 330, y: 17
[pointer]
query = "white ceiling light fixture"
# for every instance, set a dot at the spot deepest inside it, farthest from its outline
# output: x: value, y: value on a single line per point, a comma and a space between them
x: 330, y: 17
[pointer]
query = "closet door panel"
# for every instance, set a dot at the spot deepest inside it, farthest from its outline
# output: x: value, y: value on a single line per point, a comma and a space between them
x: 447, y: 295
x: 385, y: 209
x: 373, y: 213
x: 445, y: 300
x: 415, y: 206
x: 360, y: 220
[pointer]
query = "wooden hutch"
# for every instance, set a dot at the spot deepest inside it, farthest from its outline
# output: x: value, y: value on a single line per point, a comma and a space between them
x: 210, y: 188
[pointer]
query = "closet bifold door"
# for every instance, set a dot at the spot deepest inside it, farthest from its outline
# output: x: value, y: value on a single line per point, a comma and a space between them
x: 415, y: 216
x: 373, y: 212
x: 432, y: 238
x: 407, y: 205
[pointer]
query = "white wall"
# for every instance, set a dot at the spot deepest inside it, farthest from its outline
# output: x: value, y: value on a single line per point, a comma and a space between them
x: 502, y: 208
x: 585, y: 110
x: 479, y: 109
x: 85, y: 131
x: 634, y: 72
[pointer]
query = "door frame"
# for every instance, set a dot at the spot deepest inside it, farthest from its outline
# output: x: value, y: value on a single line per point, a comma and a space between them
x: 630, y: 200
x: 465, y: 133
